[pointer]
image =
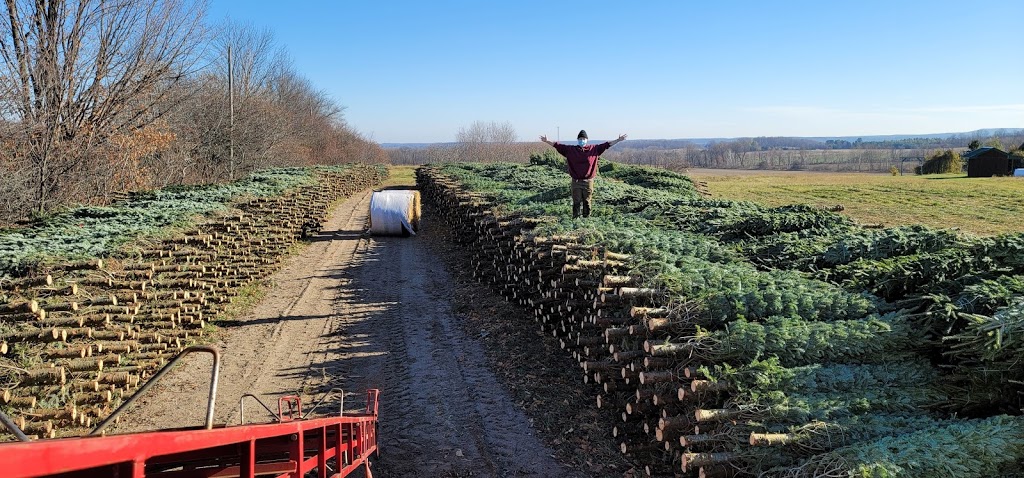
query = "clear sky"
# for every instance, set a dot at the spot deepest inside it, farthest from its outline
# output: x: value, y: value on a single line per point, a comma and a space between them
x: 417, y: 71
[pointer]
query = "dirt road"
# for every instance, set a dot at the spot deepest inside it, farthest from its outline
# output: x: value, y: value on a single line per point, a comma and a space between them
x: 357, y: 312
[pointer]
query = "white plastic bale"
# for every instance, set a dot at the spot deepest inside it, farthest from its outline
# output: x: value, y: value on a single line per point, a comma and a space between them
x: 394, y: 212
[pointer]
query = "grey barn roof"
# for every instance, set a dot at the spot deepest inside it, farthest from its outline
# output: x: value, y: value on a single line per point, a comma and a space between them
x: 980, y: 151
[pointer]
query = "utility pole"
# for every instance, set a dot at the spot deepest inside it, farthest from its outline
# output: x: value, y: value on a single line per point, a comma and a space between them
x: 231, y: 117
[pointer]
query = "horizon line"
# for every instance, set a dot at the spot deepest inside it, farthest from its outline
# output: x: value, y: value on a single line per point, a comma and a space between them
x: 991, y: 132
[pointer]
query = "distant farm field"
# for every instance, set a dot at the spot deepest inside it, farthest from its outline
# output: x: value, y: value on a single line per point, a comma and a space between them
x: 979, y: 205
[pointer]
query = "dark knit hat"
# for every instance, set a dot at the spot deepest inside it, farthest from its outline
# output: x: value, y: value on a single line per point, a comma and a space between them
x: 583, y: 134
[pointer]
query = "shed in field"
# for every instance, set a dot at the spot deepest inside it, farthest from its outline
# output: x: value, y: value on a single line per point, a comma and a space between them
x: 987, y: 162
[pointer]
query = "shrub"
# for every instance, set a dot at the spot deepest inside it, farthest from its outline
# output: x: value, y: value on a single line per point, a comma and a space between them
x: 948, y: 161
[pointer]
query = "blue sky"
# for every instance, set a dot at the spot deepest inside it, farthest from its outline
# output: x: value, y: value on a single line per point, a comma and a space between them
x: 417, y: 71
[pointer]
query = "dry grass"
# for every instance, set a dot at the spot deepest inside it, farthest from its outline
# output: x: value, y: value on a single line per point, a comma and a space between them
x: 401, y: 176
x: 982, y: 206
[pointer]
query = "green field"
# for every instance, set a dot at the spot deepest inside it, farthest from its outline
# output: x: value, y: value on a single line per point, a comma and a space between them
x: 979, y: 205
x: 401, y: 176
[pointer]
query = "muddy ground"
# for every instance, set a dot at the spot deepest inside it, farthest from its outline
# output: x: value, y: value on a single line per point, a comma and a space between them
x: 469, y: 386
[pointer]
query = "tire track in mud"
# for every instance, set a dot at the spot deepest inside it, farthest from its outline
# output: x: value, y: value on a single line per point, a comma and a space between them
x: 443, y: 412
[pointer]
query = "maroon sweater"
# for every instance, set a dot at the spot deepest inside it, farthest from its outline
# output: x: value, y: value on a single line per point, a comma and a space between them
x: 582, y: 161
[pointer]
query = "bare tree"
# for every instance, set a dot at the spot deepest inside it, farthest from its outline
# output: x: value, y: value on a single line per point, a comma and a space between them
x: 488, y: 141
x: 487, y: 132
x: 15, y: 179
x: 277, y: 111
x: 281, y: 118
x: 76, y: 73
x: 258, y: 58
x: 105, y: 95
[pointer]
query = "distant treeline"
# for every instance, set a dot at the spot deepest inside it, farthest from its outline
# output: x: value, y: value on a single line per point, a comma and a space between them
x: 858, y: 160
x: 783, y: 153
x: 774, y: 153
x: 1007, y: 139
x: 469, y: 152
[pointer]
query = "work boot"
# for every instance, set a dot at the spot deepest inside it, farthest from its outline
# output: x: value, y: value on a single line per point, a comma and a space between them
x: 575, y: 211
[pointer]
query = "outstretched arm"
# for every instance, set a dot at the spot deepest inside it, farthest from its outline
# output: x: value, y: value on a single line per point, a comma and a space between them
x: 544, y: 138
x: 622, y: 138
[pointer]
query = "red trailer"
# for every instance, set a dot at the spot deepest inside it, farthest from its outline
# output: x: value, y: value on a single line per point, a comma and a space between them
x: 293, y: 445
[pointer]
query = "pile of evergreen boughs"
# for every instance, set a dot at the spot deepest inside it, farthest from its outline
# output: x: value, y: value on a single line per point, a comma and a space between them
x: 878, y: 352
x: 95, y: 231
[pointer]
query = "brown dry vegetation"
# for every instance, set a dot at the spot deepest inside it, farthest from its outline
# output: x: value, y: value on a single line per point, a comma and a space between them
x: 99, y: 99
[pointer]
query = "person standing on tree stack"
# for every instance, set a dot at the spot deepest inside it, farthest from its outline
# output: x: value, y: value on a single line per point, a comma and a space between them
x: 581, y: 161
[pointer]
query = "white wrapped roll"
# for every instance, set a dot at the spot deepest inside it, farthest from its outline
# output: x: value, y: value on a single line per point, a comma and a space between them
x: 395, y: 212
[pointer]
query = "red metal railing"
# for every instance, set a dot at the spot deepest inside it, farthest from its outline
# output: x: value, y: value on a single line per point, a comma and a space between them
x: 333, y: 446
